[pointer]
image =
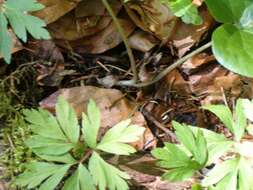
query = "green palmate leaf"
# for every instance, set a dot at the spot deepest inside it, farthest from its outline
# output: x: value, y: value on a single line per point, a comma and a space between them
x: 227, y: 11
x: 91, y: 124
x: 178, y: 174
x: 223, y: 113
x: 67, y: 119
x: 5, y: 39
x: 220, y: 171
x: 48, y: 146
x: 38, y: 172
x: 232, y: 47
x: 22, y: 22
x: 44, y: 124
x: 195, y: 144
x: 241, y: 120
x: 186, y: 10
x: 115, y: 138
x: 63, y: 158
x: 217, y: 144
x: 105, y: 175
x: 80, y: 180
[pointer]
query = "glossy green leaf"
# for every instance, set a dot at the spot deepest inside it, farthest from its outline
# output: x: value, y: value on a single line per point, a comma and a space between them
x: 186, y: 10
x: 67, y: 119
x: 91, y: 124
x: 223, y: 113
x: 38, y: 172
x: 5, y: 39
x: 115, y: 138
x: 105, y: 175
x: 80, y: 180
x: 232, y: 47
x: 246, y: 20
x: 227, y: 11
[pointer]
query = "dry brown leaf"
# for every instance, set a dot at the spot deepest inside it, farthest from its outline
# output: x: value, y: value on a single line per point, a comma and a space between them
x: 55, y: 9
x: 113, y: 106
x: 101, y: 41
x: 186, y: 35
x: 152, y: 16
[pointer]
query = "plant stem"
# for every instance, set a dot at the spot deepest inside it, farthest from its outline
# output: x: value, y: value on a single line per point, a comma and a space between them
x: 124, y: 38
x: 86, y: 156
x: 167, y: 70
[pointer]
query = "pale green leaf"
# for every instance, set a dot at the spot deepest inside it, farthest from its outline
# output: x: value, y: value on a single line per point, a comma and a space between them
x: 37, y: 172
x: 178, y: 174
x: 201, y: 153
x: 241, y: 120
x: 220, y: 171
x: 223, y: 113
x: 246, y: 20
x: 5, y: 39
x: 67, y: 119
x: 48, y: 146
x: 80, y: 180
x: 105, y: 175
x: 114, y: 139
x: 91, y: 124
x: 248, y: 109
x: 44, y: 124
x: 245, y: 175
x: 64, y: 158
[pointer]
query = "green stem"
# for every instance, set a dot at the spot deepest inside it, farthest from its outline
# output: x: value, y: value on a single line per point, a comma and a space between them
x: 124, y: 38
x: 167, y: 70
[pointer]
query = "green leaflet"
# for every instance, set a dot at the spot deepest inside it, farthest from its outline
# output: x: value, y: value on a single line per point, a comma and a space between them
x: 21, y: 23
x: 80, y: 180
x: 37, y: 172
x: 185, y: 9
x: 5, y: 39
x: 67, y: 119
x: 91, y: 124
x: 115, y: 138
x: 106, y: 175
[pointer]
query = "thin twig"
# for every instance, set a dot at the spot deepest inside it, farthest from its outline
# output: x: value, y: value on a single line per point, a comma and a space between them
x: 124, y: 38
x: 165, y: 71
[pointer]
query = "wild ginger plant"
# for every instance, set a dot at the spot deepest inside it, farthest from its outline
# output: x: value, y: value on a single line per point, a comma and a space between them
x: 232, y: 157
x: 70, y: 155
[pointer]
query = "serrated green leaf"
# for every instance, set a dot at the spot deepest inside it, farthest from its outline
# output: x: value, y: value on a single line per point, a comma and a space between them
x: 81, y: 179
x: 232, y: 47
x: 220, y: 171
x: 64, y: 158
x: 227, y: 11
x: 106, y: 175
x: 5, y: 39
x: 91, y: 124
x: 114, y: 139
x: 37, y: 172
x: 48, y: 146
x: 170, y: 156
x: 22, y: 22
x: 178, y: 174
x: 67, y: 119
x: 195, y: 144
x: 186, y: 10
x: 241, y: 120
x: 44, y: 124
x: 223, y: 113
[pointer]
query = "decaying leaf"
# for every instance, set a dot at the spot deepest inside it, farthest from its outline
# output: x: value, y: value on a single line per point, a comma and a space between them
x: 114, y: 107
x: 152, y: 16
